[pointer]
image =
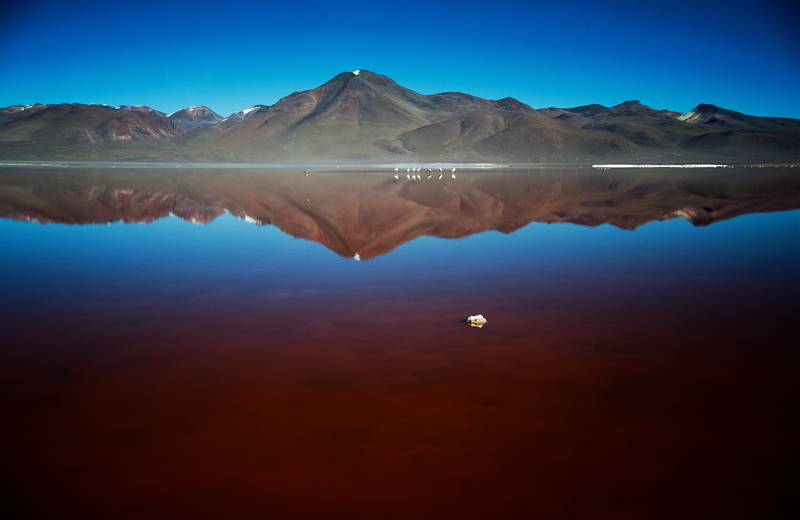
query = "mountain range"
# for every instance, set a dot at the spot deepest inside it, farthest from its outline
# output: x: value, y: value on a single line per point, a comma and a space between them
x: 366, y: 117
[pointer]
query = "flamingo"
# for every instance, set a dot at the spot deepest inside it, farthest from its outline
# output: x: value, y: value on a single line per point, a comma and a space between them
x: 395, y: 170
x: 429, y: 175
x: 429, y: 169
x: 396, y: 176
x: 306, y: 173
x: 440, y: 169
x: 408, y: 176
x: 454, y: 173
x: 440, y: 176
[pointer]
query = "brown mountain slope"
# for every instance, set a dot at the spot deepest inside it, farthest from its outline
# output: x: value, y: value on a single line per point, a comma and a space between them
x: 594, y: 114
x: 137, y: 126
x: 651, y: 129
x: 500, y: 135
x: 731, y: 143
x: 81, y: 124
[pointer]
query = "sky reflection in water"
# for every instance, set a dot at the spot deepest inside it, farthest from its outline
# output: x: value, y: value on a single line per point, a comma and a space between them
x: 230, y: 251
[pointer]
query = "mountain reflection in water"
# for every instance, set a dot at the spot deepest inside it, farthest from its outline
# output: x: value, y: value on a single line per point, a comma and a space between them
x: 370, y: 214
x: 230, y: 370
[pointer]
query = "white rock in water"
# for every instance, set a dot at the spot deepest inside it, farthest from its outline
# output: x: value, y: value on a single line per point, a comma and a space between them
x: 477, y: 321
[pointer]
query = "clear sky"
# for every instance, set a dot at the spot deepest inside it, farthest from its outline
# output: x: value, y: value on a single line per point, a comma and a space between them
x: 230, y: 55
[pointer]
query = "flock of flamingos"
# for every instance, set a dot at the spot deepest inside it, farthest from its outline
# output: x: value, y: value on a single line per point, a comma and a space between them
x: 415, y: 176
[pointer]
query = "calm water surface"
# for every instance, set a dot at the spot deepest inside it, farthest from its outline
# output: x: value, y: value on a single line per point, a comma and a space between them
x: 229, y: 370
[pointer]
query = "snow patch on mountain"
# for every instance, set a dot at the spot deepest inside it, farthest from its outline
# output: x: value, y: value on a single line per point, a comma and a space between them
x: 244, y: 114
x: 187, y: 109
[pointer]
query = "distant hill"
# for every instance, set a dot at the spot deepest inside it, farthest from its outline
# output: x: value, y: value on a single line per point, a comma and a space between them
x: 193, y: 117
x: 17, y: 111
x: 86, y: 124
x: 707, y: 130
x: 362, y: 116
x: 711, y: 115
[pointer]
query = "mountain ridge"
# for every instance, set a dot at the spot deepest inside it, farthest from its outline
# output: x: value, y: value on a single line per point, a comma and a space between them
x: 363, y: 116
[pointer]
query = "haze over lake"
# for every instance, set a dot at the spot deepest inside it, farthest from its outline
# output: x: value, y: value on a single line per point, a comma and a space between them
x: 231, y: 358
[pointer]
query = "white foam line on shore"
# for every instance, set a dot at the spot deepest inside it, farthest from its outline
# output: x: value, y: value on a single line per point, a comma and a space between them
x: 608, y: 166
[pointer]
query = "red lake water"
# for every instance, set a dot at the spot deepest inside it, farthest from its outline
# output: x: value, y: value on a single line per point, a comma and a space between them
x: 231, y: 370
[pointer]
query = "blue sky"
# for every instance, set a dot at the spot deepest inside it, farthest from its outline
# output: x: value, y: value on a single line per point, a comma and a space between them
x: 228, y: 56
